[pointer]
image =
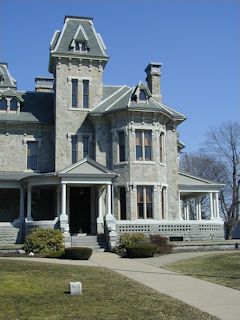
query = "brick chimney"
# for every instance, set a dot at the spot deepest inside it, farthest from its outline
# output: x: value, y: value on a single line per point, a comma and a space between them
x: 153, y: 80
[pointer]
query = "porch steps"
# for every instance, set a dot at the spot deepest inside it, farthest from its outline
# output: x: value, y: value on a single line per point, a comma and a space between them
x: 97, y: 243
x: 10, y: 235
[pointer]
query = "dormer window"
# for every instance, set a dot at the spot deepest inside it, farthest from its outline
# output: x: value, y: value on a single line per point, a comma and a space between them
x: 142, y: 95
x: 3, y: 104
x: 81, y: 46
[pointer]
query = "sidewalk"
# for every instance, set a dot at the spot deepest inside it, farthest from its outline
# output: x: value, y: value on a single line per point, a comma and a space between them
x: 219, y: 301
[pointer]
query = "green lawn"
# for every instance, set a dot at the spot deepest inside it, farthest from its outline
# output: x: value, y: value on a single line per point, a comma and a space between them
x: 221, y: 268
x: 31, y: 290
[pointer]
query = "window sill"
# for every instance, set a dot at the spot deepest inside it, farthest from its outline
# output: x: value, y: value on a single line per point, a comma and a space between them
x: 143, y: 162
x: 120, y: 163
x: 30, y: 170
x: 79, y: 109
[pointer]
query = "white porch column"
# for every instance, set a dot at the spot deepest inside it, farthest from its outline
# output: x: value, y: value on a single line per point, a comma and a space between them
x: 109, y: 200
x: 21, y: 208
x: 198, y: 208
x: 29, y: 203
x: 217, y: 206
x: 165, y: 203
x: 186, y: 210
x: 179, y: 207
x: 100, y: 226
x: 211, y: 206
x: 63, y: 216
x: 58, y: 202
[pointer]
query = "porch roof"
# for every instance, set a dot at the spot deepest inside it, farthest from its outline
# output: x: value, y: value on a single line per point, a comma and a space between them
x: 190, y: 185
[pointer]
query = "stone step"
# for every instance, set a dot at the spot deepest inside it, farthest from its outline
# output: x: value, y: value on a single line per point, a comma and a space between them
x: 97, y: 243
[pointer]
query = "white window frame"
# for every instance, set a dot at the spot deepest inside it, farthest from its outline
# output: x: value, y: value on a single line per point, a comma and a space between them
x: 145, y: 201
x: 143, y: 146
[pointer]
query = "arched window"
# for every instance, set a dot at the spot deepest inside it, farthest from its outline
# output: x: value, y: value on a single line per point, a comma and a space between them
x: 142, y: 95
x: 13, y: 105
x: 3, y: 104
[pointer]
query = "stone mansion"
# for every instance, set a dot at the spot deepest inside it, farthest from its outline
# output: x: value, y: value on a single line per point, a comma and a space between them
x: 91, y: 158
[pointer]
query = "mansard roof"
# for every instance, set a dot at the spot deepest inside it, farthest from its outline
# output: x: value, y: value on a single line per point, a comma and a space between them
x: 122, y: 99
x: 78, y: 29
x: 6, y: 80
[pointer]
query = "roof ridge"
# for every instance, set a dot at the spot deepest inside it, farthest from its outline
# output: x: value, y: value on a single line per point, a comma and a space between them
x: 118, y: 100
x: 111, y: 95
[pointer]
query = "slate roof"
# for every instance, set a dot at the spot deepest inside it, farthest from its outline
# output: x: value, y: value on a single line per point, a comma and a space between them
x: 121, y: 98
x: 38, y: 107
x: 61, y: 42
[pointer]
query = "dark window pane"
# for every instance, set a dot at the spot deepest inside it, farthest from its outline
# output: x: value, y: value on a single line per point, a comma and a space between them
x: 121, y: 138
x: 149, y: 210
x: 142, y: 95
x: 85, y: 146
x: 3, y: 104
x: 13, y: 105
x: 32, y: 155
x: 140, y: 211
x: 74, y: 148
x: 85, y: 94
x: 139, y: 153
x: 123, y: 215
x: 74, y: 93
x: 148, y: 153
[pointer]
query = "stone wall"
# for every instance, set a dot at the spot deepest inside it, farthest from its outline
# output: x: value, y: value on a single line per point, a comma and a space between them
x: 72, y: 121
x: 13, y: 142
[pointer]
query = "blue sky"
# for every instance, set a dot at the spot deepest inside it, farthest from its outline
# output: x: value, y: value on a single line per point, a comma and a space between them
x: 197, y: 41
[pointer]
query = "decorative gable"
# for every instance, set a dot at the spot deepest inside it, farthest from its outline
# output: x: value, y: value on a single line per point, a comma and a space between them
x: 87, y: 167
x: 141, y: 93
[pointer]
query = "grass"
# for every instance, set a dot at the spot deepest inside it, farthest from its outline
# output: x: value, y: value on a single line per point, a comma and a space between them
x: 34, y: 291
x: 221, y: 268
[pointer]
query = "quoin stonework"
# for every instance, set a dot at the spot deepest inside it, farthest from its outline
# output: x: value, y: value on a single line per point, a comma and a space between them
x: 95, y: 159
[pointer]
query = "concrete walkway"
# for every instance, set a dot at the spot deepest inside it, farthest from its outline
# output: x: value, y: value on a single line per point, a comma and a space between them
x: 219, y: 301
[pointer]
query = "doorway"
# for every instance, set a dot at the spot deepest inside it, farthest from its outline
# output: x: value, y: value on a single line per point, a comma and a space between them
x: 80, y: 210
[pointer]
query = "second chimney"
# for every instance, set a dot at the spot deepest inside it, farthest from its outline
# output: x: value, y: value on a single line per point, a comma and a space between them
x: 153, y: 80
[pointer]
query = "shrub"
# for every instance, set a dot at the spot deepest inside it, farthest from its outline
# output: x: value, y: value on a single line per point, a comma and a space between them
x: 163, y: 246
x: 77, y: 253
x: 130, y: 238
x: 126, y: 240
x: 47, y: 242
x: 141, y: 250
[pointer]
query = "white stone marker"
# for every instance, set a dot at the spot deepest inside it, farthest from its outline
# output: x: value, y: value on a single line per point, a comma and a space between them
x: 75, y: 288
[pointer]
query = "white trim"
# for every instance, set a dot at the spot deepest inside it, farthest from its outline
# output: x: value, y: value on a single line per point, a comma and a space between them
x: 98, y: 40
x: 101, y: 40
x: 109, y: 107
x: 115, y: 92
x: 60, y: 37
x: 53, y: 37
x: 80, y: 27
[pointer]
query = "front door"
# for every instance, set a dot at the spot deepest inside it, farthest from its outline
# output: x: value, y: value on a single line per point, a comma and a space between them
x: 80, y: 210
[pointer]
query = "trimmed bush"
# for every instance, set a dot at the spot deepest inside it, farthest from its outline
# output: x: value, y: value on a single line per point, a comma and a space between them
x: 163, y: 246
x: 77, y: 253
x: 126, y: 240
x: 141, y: 250
x: 130, y: 238
x: 47, y: 242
